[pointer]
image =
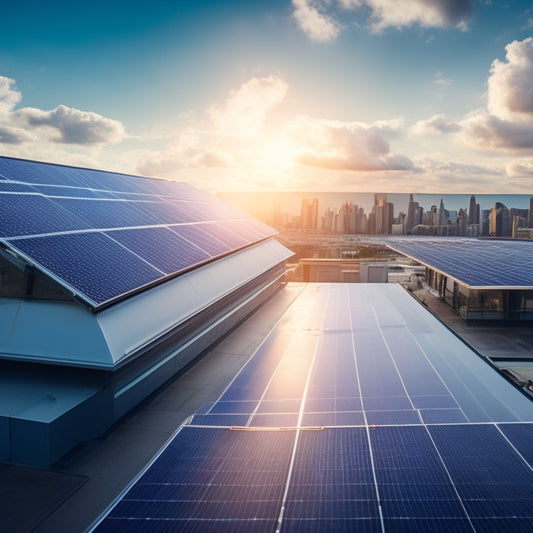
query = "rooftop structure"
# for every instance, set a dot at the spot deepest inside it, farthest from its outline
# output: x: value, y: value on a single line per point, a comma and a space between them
x: 359, y: 411
x: 117, y: 281
x: 479, y: 278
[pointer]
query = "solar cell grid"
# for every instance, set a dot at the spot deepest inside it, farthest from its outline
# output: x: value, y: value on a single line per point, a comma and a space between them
x: 385, y: 462
x: 160, y: 247
x: 29, y: 214
x: 86, y: 253
x: 474, y: 262
x: 198, y: 236
x: 63, y: 199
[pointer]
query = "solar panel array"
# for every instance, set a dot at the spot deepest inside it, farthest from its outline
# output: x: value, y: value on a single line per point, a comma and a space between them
x: 474, y: 262
x: 359, y: 412
x: 105, y: 235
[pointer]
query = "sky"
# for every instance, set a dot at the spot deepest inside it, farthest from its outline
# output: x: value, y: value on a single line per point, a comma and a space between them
x: 297, y: 95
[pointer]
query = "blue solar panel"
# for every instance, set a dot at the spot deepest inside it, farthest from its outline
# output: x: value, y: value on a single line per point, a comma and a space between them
x: 29, y: 214
x: 442, y: 416
x: 394, y: 461
x: 275, y: 420
x: 39, y: 199
x: 160, y: 247
x: 77, y: 259
x: 225, y: 235
x: 203, y: 239
x: 233, y: 407
x: 521, y: 437
x: 477, y: 263
x: 334, y: 419
x: 240, y: 482
x: 108, y: 213
x: 337, y: 525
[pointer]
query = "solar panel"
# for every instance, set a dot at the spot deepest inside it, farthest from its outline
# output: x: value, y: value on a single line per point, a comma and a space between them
x: 146, y: 229
x: 308, y: 457
x: 474, y: 262
x: 77, y: 258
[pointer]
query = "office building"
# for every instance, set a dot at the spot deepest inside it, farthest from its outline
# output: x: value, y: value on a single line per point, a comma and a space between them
x: 109, y: 285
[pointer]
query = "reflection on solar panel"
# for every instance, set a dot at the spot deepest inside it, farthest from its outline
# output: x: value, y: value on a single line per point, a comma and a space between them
x: 359, y: 412
x: 107, y: 235
x: 474, y: 262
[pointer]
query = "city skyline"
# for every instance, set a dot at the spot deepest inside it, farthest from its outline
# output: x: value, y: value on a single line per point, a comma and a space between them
x: 357, y: 95
x: 342, y: 213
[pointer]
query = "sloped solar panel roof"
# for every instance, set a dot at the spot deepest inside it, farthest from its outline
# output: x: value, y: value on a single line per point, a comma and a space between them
x: 478, y: 263
x: 105, y: 235
x: 359, y: 412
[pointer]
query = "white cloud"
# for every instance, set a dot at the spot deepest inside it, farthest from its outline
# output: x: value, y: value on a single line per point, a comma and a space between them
x: 352, y: 146
x: 437, y: 124
x: 510, y: 94
x: 316, y: 24
x: 63, y: 135
x: 192, y: 149
x: 520, y: 169
x: 506, y: 125
x: 9, y: 96
x: 320, y: 19
x: 244, y: 110
x: 10, y: 135
x: 425, y: 13
x: 230, y: 136
x: 488, y: 132
x: 74, y: 126
x: 439, y: 172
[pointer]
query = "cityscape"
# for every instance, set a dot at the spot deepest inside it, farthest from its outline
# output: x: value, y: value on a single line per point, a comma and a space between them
x: 266, y: 266
x: 383, y: 219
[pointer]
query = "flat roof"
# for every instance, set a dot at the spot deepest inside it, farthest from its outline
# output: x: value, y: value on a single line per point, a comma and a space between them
x: 359, y: 410
x: 476, y: 263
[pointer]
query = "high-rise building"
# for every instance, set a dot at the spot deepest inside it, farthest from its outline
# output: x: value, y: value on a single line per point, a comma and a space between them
x: 500, y: 222
x: 309, y: 213
x: 443, y: 214
x: 473, y: 211
x: 530, y: 217
x: 414, y: 215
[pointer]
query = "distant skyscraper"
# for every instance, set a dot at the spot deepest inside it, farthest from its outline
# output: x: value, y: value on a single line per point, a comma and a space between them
x: 443, y: 214
x: 530, y: 218
x: 473, y: 211
x: 500, y: 224
x: 413, y: 214
x: 309, y: 213
x: 383, y: 214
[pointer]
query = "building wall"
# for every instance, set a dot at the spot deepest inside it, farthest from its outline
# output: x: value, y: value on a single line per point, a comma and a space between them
x: 482, y: 304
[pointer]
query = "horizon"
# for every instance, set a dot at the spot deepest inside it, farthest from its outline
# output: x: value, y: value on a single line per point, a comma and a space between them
x: 291, y: 199
x: 289, y: 95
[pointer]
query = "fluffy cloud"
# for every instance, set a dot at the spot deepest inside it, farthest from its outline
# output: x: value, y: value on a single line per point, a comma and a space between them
x: 352, y: 146
x: 10, y: 135
x: 510, y: 94
x: 229, y: 134
x: 192, y: 149
x: 437, y: 124
x: 319, y: 19
x: 426, y: 13
x: 488, y: 132
x: 520, y: 169
x: 438, y: 172
x: 74, y: 126
x: 244, y: 110
x: 9, y: 96
x: 316, y: 24
x: 506, y: 125
x: 63, y: 135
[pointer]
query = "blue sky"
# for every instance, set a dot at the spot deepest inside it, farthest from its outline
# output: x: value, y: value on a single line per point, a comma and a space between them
x: 356, y: 95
